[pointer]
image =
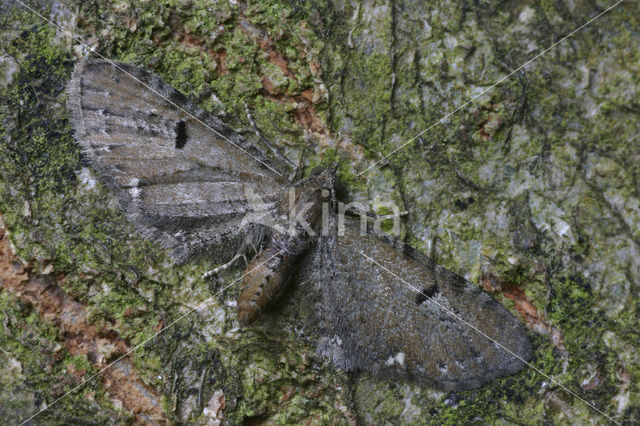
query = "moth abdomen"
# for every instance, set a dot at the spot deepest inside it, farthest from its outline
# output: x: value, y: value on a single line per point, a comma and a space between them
x: 263, y: 283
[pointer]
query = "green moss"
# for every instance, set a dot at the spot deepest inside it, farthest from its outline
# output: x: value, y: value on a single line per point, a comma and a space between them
x: 32, y: 378
x: 127, y: 284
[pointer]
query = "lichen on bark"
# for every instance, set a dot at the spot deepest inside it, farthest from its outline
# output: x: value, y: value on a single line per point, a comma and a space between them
x: 531, y: 191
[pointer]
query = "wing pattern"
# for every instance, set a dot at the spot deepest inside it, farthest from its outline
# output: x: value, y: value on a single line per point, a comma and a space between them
x: 179, y: 182
x: 374, y: 321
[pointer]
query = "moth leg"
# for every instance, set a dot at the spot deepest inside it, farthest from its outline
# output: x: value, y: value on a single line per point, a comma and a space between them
x: 224, y: 267
x: 264, y: 140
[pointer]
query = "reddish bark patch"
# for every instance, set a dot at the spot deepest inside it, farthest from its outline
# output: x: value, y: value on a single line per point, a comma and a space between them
x: 304, y: 114
x: 194, y: 41
x: 534, y: 319
x: 80, y: 338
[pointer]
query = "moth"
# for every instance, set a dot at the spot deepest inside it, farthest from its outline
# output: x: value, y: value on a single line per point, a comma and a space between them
x: 182, y: 177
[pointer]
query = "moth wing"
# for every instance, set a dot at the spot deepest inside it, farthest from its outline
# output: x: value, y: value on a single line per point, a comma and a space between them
x: 398, y: 324
x: 181, y: 175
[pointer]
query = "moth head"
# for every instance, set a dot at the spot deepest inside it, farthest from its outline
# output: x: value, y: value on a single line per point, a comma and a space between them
x: 325, y: 177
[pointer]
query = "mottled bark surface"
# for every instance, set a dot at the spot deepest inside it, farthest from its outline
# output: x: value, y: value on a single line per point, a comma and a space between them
x: 531, y: 192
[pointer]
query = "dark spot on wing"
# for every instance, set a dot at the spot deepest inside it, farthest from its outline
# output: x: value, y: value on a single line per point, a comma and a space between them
x: 426, y: 293
x: 181, y: 134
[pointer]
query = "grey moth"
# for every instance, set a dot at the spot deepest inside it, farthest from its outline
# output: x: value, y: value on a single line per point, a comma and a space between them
x: 182, y: 177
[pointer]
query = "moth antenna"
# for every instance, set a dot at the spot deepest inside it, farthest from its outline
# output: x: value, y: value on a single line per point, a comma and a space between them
x: 264, y: 140
x: 254, y: 250
x: 432, y: 246
x: 306, y: 284
x: 298, y: 172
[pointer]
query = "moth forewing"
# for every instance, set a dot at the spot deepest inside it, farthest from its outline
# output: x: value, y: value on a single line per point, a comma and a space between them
x: 179, y: 173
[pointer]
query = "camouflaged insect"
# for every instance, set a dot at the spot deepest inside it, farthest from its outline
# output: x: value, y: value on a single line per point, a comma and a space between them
x: 183, y: 177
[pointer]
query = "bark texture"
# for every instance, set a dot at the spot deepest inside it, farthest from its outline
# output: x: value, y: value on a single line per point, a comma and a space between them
x: 530, y: 191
